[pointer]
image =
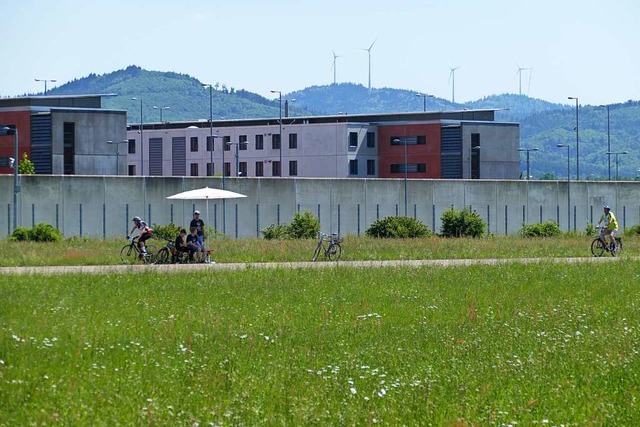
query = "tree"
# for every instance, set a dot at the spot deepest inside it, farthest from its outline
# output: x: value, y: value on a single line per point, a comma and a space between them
x: 26, y: 166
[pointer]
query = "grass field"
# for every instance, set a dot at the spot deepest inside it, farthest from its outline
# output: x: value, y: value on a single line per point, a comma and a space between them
x: 541, y: 344
x: 105, y: 252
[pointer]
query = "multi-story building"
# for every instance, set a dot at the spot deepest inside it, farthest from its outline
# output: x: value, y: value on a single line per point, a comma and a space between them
x: 64, y: 134
x: 449, y: 144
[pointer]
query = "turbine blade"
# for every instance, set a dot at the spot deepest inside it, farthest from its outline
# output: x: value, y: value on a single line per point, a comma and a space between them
x: 374, y: 42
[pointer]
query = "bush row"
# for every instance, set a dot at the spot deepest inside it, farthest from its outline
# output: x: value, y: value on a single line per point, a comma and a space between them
x: 40, y: 233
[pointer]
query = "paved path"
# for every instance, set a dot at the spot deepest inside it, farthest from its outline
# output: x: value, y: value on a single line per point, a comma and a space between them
x: 169, y: 268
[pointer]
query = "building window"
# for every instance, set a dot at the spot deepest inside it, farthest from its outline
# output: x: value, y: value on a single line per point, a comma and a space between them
x: 210, y: 143
x: 293, y: 140
x: 69, y: 146
x: 259, y: 142
x: 353, y: 139
x: 194, y: 169
x: 408, y: 167
x: 225, y: 143
x: 371, y: 167
x: 132, y: 146
x: 243, y: 142
x: 132, y: 170
x: 242, y: 169
x: 353, y: 167
x: 421, y: 167
x: 260, y: 168
x: 409, y: 140
x: 275, y: 168
x: 371, y: 140
x: 293, y: 168
x: 275, y: 141
x: 227, y: 169
x: 210, y: 169
x: 194, y: 144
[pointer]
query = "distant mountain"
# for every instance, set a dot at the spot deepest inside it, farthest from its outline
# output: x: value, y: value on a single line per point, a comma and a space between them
x: 543, y: 124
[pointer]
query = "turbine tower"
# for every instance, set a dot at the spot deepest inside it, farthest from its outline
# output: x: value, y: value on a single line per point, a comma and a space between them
x: 333, y: 66
x: 452, y: 80
x: 519, y: 73
x: 369, y: 52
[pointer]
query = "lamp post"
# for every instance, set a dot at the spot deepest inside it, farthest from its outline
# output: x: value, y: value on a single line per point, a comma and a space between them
x: 608, y: 142
x: 280, y: 123
x: 45, y: 83
x: 617, y: 153
x: 398, y: 141
x: 528, y: 150
x: 424, y: 99
x: 124, y: 141
x: 160, y: 108
x: 13, y: 130
x: 471, y: 150
x: 577, y: 141
x: 567, y: 146
x: 141, y: 139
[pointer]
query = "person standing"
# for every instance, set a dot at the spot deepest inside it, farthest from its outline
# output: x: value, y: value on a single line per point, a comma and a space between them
x: 198, y: 224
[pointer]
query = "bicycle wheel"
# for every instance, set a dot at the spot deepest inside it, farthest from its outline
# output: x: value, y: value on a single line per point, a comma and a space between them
x: 317, y: 252
x: 597, y: 247
x: 163, y: 257
x: 334, y: 252
x: 128, y: 254
x: 618, y: 248
x: 150, y: 256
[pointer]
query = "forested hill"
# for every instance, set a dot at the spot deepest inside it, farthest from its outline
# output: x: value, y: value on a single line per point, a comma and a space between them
x: 544, y: 125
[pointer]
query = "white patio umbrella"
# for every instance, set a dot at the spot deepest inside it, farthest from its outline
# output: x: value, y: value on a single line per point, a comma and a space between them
x: 206, y: 194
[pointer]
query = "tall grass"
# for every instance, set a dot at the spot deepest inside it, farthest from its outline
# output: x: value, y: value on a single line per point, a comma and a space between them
x: 544, y: 344
x: 104, y: 252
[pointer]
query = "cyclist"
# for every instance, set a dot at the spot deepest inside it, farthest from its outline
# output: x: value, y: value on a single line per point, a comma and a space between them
x: 610, y: 224
x: 144, y: 232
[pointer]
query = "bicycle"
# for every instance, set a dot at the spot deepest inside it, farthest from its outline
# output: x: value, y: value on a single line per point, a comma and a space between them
x: 329, y: 245
x: 599, y: 246
x: 130, y: 253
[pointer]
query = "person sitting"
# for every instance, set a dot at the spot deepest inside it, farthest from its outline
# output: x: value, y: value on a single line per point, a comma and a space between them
x: 192, y: 244
x: 181, y: 243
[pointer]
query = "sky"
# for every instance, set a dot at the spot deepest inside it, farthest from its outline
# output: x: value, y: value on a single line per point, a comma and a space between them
x: 579, y: 48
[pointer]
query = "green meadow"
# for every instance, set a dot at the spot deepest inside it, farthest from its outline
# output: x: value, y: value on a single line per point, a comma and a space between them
x: 546, y: 344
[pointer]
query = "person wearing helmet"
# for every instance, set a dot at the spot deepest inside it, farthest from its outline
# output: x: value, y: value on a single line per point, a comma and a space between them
x: 610, y: 224
x: 144, y: 232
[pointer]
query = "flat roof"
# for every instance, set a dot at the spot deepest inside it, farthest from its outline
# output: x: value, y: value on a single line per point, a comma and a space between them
x: 78, y: 101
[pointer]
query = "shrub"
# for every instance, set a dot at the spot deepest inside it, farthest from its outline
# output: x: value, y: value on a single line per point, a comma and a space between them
x: 45, y: 233
x: 545, y: 229
x: 303, y: 226
x: 632, y: 231
x: 167, y: 232
x: 397, y: 227
x: 20, y: 234
x: 462, y: 223
x: 275, y: 232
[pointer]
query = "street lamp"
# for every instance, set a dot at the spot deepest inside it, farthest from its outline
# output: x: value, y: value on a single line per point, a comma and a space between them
x: 124, y: 141
x: 424, y: 99
x: 141, y: 139
x: 397, y: 141
x: 13, y: 130
x: 280, y: 136
x: 608, y: 143
x: 160, y: 108
x: 577, y: 141
x: 567, y: 146
x: 528, y: 150
x: 45, y: 83
x: 617, y: 153
x: 471, y: 150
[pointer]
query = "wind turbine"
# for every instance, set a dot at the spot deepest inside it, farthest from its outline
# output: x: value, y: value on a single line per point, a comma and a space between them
x: 452, y: 80
x: 369, y: 52
x: 333, y: 66
x: 519, y: 73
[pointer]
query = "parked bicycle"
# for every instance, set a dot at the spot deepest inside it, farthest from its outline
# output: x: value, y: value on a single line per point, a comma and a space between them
x: 599, y: 245
x: 131, y: 253
x: 169, y: 254
x: 329, y: 245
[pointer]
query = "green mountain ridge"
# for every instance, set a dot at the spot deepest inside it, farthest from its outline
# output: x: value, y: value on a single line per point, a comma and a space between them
x: 543, y: 124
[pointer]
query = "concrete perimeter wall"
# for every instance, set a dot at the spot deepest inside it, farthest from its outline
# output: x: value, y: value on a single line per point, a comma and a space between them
x: 102, y: 206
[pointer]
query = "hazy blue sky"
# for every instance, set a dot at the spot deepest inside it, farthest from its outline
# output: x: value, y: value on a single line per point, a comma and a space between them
x: 584, y: 48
